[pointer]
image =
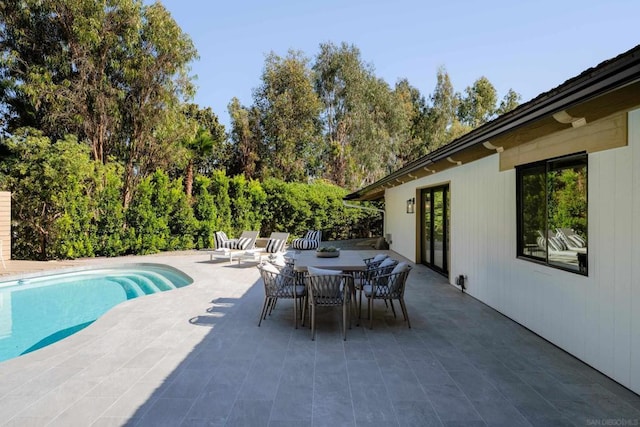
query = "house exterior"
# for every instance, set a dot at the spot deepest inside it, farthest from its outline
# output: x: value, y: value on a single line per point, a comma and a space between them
x: 496, y: 207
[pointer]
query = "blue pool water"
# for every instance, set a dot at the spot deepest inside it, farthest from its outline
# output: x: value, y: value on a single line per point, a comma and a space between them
x: 38, y: 311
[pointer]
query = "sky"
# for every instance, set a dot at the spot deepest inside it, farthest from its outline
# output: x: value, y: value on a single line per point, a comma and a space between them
x: 530, y: 46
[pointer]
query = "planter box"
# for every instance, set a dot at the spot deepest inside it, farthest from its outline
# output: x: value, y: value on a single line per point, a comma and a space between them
x: 328, y: 254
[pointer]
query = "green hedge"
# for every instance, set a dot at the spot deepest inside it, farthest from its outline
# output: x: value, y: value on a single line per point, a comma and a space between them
x: 64, y: 206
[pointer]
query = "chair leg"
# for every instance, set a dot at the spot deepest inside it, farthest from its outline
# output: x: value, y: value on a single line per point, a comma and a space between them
x: 404, y: 312
x: 370, y: 313
x: 345, y: 307
x: 295, y: 311
x: 392, y: 308
x: 263, y: 313
x: 304, y: 308
x: 313, y: 322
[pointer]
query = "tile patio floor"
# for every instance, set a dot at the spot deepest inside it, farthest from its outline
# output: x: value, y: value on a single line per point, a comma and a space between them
x: 195, y: 357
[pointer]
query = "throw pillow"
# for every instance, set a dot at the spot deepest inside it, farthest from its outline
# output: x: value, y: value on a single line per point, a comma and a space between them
x: 387, y: 262
x: 243, y: 243
x: 402, y: 266
x: 274, y: 245
x: 379, y: 257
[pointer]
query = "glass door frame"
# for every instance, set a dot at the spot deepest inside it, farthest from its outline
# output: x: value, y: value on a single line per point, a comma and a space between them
x: 444, y: 189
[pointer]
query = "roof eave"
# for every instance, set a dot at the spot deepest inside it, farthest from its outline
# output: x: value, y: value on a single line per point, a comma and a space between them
x: 592, y: 83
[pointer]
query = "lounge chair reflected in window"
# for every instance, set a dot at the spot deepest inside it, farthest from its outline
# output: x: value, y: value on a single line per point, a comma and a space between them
x: 551, y: 200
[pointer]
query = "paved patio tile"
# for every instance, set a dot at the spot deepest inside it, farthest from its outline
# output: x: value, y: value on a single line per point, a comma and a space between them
x: 196, y: 357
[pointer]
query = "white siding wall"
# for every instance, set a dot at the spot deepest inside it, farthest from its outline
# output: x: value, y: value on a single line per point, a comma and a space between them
x: 593, y: 318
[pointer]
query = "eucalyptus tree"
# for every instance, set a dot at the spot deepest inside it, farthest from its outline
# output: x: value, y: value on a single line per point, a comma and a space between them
x: 289, y: 117
x: 417, y: 136
x: 113, y: 73
x: 510, y: 101
x: 362, y: 118
x: 443, y: 121
x: 479, y: 105
x: 244, y: 139
x: 157, y: 83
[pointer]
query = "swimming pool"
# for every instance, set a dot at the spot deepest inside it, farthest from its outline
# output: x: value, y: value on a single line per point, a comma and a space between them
x: 36, y: 311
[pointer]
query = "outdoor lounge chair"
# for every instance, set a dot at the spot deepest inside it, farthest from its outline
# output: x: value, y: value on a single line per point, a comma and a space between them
x: 311, y: 240
x: 558, y: 252
x: 230, y: 248
x: 571, y: 239
x: 275, y: 246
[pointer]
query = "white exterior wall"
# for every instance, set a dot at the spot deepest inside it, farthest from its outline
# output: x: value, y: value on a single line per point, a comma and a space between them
x: 595, y: 318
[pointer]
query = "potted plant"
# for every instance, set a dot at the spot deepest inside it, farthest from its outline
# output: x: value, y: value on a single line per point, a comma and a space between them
x: 327, y: 252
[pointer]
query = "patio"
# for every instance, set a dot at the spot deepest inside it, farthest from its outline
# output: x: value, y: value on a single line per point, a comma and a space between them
x: 195, y: 357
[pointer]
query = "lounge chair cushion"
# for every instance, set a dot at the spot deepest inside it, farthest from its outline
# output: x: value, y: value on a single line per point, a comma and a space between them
x: 577, y: 241
x: 555, y: 244
x: 311, y: 240
x: 222, y: 241
x: 242, y: 243
x: 313, y: 235
x: 274, y: 245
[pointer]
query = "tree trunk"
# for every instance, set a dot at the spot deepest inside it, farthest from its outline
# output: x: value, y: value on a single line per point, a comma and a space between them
x: 188, y: 184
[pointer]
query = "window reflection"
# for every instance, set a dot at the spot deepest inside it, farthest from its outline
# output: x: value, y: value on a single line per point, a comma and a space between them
x: 552, y: 212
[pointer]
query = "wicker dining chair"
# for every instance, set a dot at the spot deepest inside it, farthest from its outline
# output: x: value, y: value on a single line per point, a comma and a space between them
x: 330, y: 290
x: 388, y: 287
x: 281, y: 283
x: 373, y: 270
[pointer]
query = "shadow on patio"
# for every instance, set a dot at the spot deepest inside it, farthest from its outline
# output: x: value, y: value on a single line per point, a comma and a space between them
x: 462, y: 363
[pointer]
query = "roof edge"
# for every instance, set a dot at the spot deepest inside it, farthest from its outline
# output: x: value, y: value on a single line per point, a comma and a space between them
x: 591, y: 83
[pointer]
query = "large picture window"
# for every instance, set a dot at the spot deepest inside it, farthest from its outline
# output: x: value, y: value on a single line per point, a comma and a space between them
x: 552, y: 212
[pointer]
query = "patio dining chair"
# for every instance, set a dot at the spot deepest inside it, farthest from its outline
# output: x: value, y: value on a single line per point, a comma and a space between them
x: 374, y: 269
x: 281, y: 283
x: 329, y: 288
x: 388, y: 287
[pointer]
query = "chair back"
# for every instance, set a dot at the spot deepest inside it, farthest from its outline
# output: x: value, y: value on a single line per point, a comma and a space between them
x: 277, y: 284
x: 247, y: 240
x: 391, y: 285
x: 329, y: 290
x: 382, y: 268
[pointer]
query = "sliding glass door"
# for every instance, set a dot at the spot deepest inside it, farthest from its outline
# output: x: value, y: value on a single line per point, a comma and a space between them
x: 435, y: 228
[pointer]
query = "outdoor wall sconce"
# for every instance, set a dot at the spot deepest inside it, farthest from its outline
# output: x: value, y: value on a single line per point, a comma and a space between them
x: 411, y: 205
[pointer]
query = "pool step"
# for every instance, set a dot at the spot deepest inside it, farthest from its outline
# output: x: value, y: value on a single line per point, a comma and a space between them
x: 138, y: 284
